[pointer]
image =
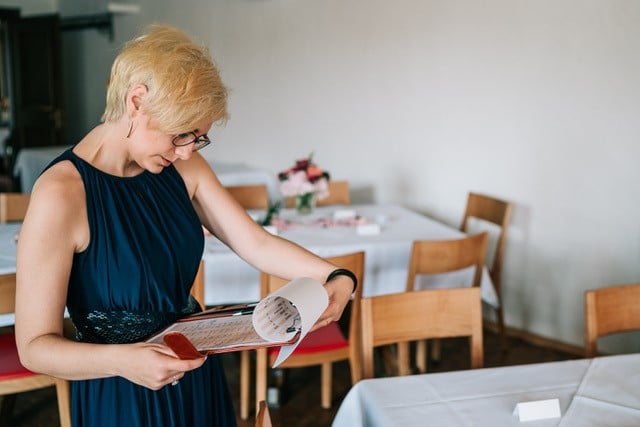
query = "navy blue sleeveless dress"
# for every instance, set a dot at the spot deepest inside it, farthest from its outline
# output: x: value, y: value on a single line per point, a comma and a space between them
x: 134, y: 278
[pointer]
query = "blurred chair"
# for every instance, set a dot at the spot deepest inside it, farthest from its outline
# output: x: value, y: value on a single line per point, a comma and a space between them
x: 250, y: 196
x: 197, y: 289
x: 263, y: 418
x: 14, y: 378
x: 608, y: 311
x: 323, y: 346
x: 13, y: 206
x: 497, y: 212
x: 444, y: 256
x: 410, y: 316
x: 338, y: 195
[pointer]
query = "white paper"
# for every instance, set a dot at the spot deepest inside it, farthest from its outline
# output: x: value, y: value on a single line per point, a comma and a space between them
x: 342, y: 214
x: 296, y: 305
x: 538, y: 410
x: 368, y: 229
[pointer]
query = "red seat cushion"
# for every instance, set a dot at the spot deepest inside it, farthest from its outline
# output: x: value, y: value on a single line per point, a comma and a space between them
x: 327, y: 338
x: 10, y: 366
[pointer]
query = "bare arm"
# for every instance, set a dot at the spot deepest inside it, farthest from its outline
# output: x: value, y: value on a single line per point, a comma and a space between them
x: 224, y: 217
x: 54, y: 229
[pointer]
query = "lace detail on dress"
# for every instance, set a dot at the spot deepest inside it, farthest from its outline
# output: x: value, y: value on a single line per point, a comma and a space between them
x: 122, y: 327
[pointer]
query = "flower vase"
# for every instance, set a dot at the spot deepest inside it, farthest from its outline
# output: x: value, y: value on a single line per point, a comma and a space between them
x: 304, y: 203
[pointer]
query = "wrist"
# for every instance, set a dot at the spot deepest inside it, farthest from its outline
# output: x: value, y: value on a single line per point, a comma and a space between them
x: 344, y: 272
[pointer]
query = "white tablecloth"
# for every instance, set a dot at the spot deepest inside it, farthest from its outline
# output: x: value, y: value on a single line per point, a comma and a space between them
x: 600, y: 392
x: 30, y: 162
x: 8, y: 259
x: 229, y: 279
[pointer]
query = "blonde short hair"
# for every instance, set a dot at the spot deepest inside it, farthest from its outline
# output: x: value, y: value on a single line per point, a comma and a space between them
x: 184, y: 85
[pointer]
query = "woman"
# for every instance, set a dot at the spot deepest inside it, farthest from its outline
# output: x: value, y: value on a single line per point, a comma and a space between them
x: 113, y: 232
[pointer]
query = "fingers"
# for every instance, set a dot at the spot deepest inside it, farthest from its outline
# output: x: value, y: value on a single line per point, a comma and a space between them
x: 321, y: 323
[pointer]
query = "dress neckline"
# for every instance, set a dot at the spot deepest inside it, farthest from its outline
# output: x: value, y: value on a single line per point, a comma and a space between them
x: 107, y: 174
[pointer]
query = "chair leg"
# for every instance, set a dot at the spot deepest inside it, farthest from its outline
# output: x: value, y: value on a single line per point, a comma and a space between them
x: 504, y: 346
x: 245, y: 369
x: 64, y: 402
x: 261, y: 376
x: 403, y: 358
x: 436, y: 350
x: 421, y: 356
x: 325, y: 389
x: 389, y: 360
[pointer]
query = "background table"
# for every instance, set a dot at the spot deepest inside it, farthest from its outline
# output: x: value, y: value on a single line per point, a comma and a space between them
x: 229, y: 279
x: 592, y: 392
x: 30, y: 162
x: 8, y: 232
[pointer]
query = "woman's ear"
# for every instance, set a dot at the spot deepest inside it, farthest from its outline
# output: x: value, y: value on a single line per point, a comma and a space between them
x: 134, y: 98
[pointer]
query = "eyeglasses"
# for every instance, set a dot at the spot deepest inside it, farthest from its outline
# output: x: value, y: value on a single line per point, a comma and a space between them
x: 198, y: 142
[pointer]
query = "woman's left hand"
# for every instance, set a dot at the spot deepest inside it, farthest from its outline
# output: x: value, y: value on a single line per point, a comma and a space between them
x: 339, y: 290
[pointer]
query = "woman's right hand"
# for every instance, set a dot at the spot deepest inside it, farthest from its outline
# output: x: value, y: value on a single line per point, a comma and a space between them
x: 154, y: 365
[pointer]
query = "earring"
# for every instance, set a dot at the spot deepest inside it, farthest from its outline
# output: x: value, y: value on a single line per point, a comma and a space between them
x: 130, y: 129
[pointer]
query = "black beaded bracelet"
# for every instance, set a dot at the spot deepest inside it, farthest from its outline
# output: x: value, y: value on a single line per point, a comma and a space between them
x: 344, y: 272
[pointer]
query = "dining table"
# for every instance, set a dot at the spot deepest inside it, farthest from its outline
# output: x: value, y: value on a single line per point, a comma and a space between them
x: 8, y: 238
x: 385, y: 232
x: 31, y: 161
x: 603, y: 391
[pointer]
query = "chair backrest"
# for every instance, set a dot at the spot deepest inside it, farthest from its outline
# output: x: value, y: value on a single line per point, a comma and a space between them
x: 443, y: 256
x: 355, y: 263
x: 197, y: 289
x: 497, y: 212
x: 263, y: 417
x: 13, y: 206
x: 338, y: 195
x: 412, y: 316
x: 250, y: 196
x: 610, y: 310
x: 7, y: 293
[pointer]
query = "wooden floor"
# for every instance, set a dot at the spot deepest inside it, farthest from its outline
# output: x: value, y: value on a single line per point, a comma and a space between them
x: 301, y: 405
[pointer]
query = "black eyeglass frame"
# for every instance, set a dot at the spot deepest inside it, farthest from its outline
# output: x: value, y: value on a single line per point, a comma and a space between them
x: 199, y: 142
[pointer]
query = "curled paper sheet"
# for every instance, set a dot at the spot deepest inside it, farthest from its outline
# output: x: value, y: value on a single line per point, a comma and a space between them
x: 292, y: 308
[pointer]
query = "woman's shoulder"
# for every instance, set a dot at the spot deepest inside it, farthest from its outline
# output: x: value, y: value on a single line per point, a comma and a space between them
x: 195, y: 171
x: 61, y: 182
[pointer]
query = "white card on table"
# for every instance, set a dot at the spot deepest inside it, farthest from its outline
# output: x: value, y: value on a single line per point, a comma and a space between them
x: 538, y: 410
x: 342, y: 214
x: 368, y: 229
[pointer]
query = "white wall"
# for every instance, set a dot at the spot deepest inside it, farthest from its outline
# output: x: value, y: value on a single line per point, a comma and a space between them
x: 424, y: 100
x: 32, y: 7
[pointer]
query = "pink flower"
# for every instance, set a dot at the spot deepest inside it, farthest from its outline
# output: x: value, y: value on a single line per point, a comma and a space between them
x: 304, y: 177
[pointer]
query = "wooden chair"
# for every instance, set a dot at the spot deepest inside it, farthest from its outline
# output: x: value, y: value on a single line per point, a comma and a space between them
x: 263, y: 418
x: 338, y: 195
x: 14, y: 378
x: 323, y: 346
x: 608, y: 311
x: 444, y: 256
x: 497, y: 212
x: 410, y: 316
x: 13, y: 206
x: 250, y: 196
